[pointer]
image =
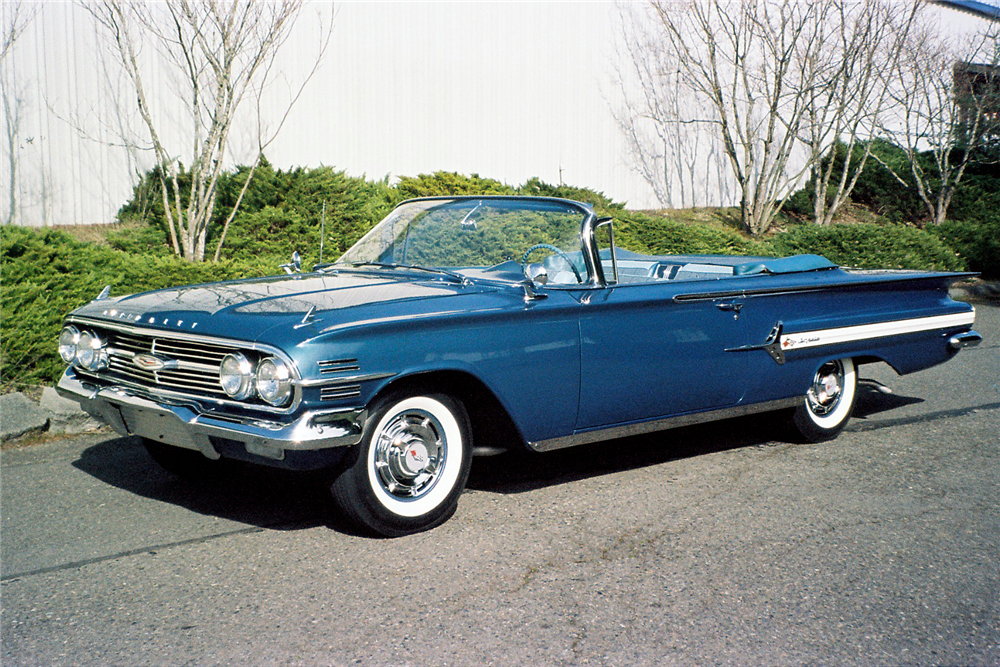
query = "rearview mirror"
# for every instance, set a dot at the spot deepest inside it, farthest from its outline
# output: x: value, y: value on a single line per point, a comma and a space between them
x: 537, y: 273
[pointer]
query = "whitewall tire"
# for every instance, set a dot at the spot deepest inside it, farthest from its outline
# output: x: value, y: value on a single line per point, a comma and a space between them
x: 411, y: 466
x: 828, y: 402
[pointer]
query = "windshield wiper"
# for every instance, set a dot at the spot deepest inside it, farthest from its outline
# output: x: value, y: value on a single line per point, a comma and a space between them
x: 458, y: 277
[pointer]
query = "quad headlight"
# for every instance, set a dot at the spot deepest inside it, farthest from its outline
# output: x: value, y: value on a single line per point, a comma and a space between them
x: 90, y: 353
x: 271, y: 380
x: 236, y: 376
x: 83, y: 349
x: 274, y: 381
x: 69, y: 342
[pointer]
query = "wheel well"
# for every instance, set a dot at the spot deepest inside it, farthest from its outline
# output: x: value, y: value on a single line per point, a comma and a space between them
x: 492, y: 426
x: 872, y: 359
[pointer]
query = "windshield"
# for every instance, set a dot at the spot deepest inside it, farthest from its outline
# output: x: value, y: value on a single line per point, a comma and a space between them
x: 478, y: 235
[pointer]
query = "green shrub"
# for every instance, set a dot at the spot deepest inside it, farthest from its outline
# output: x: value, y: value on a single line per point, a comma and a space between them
x: 535, y: 187
x: 977, y: 242
x: 661, y: 236
x: 443, y: 183
x: 870, y: 246
x: 281, y: 211
x: 46, y: 274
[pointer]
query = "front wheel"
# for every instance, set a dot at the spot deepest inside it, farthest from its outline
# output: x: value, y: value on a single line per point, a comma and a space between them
x: 828, y: 403
x: 410, y: 467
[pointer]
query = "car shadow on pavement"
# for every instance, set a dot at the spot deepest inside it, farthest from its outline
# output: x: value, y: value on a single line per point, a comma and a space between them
x: 266, y: 497
x: 520, y: 470
x: 871, y: 401
x: 289, y: 500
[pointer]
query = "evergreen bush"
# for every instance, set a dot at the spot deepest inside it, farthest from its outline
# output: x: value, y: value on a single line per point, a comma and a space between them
x: 870, y: 246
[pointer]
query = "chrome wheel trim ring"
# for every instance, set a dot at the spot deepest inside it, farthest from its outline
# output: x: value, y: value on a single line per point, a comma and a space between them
x: 830, y: 398
x: 827, y: 389
x: 430, y: 493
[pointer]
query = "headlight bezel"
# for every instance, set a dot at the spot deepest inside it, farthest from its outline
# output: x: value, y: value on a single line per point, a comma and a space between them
x: 68, y: 347
x: 90, y: 352
x: 273, y: 382
x: 245, y: 375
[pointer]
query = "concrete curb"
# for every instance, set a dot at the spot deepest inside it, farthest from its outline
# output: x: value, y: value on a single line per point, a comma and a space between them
x: 20, y: 416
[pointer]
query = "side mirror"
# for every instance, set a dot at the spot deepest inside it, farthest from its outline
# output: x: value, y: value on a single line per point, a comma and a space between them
x: 295, y: 266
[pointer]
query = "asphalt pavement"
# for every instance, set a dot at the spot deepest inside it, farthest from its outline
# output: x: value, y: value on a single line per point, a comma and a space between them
x: 719, y: 544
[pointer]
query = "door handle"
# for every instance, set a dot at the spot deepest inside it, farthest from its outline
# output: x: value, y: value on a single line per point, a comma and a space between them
x: 732, y: 306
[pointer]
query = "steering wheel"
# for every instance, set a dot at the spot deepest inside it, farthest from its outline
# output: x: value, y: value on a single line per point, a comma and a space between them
x: 549, y: 246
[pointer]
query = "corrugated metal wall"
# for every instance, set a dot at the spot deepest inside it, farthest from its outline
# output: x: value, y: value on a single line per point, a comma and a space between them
x: 508, y: 91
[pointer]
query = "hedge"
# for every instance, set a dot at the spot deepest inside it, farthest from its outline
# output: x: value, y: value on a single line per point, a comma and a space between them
x: 45, y: 274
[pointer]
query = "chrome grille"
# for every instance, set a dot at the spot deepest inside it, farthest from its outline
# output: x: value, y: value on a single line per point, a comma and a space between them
x: 198, y: 362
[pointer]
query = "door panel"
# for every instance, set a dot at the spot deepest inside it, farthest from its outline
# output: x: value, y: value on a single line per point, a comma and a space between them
x: 646, y: 356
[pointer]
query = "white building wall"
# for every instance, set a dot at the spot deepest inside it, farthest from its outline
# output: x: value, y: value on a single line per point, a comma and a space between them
x: 507, y: 90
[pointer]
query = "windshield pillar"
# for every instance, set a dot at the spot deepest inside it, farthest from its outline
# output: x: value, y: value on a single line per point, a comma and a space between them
x: 589, y: 249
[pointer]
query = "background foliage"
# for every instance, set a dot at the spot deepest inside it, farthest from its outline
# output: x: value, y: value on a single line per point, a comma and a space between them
x: 47, y: 273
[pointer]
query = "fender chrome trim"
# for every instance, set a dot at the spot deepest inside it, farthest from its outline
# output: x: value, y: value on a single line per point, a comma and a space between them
x: 804, y: 339
x: 628, y: 430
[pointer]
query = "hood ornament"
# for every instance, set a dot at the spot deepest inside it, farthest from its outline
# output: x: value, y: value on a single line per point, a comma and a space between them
x: 309, y: 318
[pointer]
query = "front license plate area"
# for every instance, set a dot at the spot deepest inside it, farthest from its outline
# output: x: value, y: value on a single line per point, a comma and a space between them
x: 157, y: 425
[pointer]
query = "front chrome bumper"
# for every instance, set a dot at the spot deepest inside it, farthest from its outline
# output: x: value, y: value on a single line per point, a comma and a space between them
x: 187, y: 425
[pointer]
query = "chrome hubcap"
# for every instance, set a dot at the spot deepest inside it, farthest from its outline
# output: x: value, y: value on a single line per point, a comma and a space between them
x: 827, y: 388
x: 410, y: 453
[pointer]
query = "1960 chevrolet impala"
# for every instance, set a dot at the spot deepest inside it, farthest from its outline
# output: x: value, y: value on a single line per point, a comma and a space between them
x: 462, y: 325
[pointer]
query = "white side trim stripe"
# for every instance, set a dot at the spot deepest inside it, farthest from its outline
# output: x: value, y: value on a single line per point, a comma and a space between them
x: 796, y: 341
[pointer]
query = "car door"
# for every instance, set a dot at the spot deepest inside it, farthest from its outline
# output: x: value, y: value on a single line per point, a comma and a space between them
x: 655, y: 350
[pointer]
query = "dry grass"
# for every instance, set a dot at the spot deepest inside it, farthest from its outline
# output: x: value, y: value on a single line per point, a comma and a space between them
x: 97, y: 233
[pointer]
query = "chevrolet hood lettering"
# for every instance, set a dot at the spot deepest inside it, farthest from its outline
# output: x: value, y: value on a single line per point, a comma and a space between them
x: 259, y: 304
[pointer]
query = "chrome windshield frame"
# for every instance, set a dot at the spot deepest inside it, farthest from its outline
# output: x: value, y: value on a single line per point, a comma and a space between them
x: 587, y: 241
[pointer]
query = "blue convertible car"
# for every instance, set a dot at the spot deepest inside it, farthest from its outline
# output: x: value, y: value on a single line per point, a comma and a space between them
x: 461, y: 325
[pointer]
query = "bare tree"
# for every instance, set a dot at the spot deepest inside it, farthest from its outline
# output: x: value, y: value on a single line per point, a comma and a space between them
x: 846, y: 97
x: 665, y: 124
x: 940, y: 126
x: 15, y: 18
x: 222, y: 53
x: 739, y: 60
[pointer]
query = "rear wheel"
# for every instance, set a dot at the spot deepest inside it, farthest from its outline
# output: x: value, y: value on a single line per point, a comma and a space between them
x: 410, y: 468
x: 829, y: 402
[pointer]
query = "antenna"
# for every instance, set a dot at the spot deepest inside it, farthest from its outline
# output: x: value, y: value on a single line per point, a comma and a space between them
x: 322, y: 233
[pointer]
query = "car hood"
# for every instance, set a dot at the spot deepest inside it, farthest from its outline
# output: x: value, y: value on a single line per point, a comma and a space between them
x: 245, y: 309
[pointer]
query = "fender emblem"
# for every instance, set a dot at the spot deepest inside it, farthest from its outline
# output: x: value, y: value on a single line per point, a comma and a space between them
x: 149, y: 362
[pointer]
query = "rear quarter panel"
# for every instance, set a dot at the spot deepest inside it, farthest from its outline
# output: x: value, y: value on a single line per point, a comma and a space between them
x: 846, y: 301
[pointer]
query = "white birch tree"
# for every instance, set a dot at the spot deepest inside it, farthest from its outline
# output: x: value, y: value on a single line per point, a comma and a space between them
x: 739, y: 60
x: 221, y: 54
x: 846, y: 95
x: 14, y: 18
